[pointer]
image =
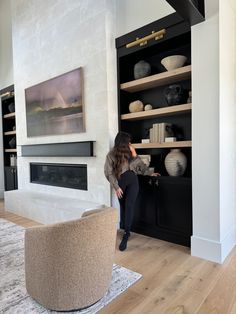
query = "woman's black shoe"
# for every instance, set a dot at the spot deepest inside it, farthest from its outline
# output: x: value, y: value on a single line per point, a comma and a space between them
x: 123, y: 243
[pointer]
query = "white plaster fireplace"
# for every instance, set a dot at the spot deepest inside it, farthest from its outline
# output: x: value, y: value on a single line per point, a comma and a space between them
x: 55, y: 48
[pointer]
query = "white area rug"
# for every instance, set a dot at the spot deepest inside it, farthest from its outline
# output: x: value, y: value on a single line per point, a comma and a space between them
x: 13, y: 296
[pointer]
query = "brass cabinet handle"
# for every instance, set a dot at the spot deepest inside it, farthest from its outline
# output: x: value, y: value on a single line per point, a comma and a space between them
x: 143, y: 41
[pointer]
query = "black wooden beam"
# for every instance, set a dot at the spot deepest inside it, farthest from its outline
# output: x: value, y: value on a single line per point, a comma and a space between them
x: 193, y: 11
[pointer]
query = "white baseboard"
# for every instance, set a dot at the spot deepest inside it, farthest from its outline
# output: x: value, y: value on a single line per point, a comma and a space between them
x: 206, y: 249
x: 228, y: 243
x: 214, y: 251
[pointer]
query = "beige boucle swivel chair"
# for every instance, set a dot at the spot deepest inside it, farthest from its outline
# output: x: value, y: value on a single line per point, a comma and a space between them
x: 68, y: 265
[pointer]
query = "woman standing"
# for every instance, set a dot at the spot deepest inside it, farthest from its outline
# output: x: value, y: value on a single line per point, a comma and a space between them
x: 121, y: 168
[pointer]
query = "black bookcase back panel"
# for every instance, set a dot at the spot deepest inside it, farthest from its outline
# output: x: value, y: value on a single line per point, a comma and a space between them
x: 154, y: 96
x: 176, y: 35
x: 153, y: 56
x: 8, y: 124
x: 7, y: 103
x: 10, y: 142
x: 158, y: 160
x: 181, y: 126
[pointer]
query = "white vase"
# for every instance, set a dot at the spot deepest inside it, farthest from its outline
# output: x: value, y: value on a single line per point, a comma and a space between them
x: 175, y: 163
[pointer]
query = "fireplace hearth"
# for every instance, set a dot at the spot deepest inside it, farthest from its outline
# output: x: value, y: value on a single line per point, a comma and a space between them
x: 71, y: 176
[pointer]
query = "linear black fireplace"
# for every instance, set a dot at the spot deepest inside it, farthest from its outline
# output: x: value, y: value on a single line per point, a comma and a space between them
x: 71, y: 176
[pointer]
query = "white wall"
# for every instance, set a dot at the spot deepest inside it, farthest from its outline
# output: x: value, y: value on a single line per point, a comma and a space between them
x: 227, y: 22
x: 133, y: 14
x: 213, y: 132
x: 205, y: 133
x: 6, y: 67
x: 68, y: 36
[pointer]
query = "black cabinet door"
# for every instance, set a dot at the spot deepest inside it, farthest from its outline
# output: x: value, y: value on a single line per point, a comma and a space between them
x: 10, y: 178
x: 145, y: 214
x: 174, y: 205
x: 164, y: 209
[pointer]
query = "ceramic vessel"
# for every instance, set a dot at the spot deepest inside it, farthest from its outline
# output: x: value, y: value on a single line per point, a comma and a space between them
x: 11, y: 107
x: 136, y: 106
x: 175, y: 95
x: 141, y: 69
x: 12, y: 142
x: 148, y: 107
x: 173, y: 62
x: 189, y: 100
x: 175, y: 163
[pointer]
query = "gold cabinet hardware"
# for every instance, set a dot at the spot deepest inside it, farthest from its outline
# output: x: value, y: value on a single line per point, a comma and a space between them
x: 143, y: 41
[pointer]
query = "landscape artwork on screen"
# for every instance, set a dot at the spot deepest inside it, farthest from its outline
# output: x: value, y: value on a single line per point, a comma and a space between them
x: 55, y: 107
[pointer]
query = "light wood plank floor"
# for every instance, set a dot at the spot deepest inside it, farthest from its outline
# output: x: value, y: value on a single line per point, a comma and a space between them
x: 173, y: 282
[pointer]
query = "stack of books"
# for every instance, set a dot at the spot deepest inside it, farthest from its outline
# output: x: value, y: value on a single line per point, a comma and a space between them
x: 159, y: 132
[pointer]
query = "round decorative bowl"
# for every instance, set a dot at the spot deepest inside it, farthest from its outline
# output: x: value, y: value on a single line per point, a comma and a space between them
x: 173, y: 62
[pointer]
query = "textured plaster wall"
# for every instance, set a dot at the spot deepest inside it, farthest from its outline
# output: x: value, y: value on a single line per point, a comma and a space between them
x: 6, y: 67
x: 51, y: 38
x: 133, y: 14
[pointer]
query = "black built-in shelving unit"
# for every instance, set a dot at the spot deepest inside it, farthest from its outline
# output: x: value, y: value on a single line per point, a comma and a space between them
x: 164, y: 205
x: 9, y: 137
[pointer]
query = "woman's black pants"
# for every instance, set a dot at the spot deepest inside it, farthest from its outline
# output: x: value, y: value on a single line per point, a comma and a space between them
x: 128, y: 182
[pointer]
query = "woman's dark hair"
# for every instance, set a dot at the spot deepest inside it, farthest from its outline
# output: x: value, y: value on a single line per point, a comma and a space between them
x: 121, y: 151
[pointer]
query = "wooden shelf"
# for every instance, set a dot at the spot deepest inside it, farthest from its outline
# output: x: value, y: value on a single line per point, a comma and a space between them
x: 7, y: 95
x: 177, y: 144
x: 154, y: 113
x: 156, y: 80
x: 10, y: 133
x: 9, y: 115
x: 10, y: 150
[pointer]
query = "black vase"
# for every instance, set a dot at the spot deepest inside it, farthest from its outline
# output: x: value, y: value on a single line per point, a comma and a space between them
x: 141, y: 69
x: 11, y: 107
x: 12, y: 142
x: 175, y: 95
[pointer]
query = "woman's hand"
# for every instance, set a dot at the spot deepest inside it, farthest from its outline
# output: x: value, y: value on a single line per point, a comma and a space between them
x: 155, y: 174
x: 119, y: 193
x: 133, y: 151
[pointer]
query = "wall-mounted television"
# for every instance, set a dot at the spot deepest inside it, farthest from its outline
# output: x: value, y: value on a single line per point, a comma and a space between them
x: 55, y: 107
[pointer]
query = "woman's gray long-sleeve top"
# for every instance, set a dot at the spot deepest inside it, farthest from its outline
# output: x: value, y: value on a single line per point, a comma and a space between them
x: 135, y: 164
